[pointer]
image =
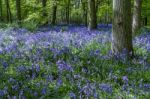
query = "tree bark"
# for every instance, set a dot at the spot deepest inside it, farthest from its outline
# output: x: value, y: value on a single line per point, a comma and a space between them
x: 97, y: 4
x: 18, y: 8
x: 136, y: 24
x: 92, y: 15
x: 1, y: 11
x: 68, y: 12
x: 145, y: 21
x: 8, y: 14
x: 84, y: 8
x: 54, y: 12
x: 44, y: 7
x: 122, y: 31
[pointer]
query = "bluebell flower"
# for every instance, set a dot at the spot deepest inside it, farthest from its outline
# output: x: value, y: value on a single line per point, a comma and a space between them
x: 72, y: 95
x: 14, y: 97
x: 125, y: 87
x: 146, y: 86
x: 2, y: 93
x: 35, y: 94
x: 77, y: 76
x: 43, y: 92
x: 85, y: 70
x: 106, y: 88
x: 141, y: 83
x: 11, y: 80
x: 15, y: 87
x: 21, y: 93
x: 63, y: 66
x: 37, y: 68
x: 59, y: 82
x: 50, y: 78
x: 34, y: 75
x: 87, y: 90
x: 97, y: 52
x: 5, y: 65
x: 125, y: 79
x: 21, y: 68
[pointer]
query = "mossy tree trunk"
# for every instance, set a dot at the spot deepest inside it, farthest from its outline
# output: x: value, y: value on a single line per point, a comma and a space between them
x: 122, y: 27
x: 18, y: 9
x: 84, y: 8
x: 92, y: 14
x: 136, y: 24
x: 8, y: 11
x: 54, y: 12
x: 44, y: 7
x: 1, y: 11
x: 68, y: 11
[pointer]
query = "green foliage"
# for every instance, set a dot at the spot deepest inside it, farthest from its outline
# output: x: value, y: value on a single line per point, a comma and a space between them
x: 98, y: 67
x: 32, y: 10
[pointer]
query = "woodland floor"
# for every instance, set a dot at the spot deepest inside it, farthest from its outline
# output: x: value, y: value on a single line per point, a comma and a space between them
x: 60, y: 62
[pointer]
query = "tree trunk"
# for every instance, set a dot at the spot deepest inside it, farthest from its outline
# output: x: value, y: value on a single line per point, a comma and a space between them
x: 44, y: 7
x: 68, y: 12
x: 108, y: 4
x: 84, y: 8
x: 145, y: 19
x: 97, y: 4
x: 54, y: 12
x: 122, y: 31
x: 92, y: 14
x: 1, y: 11
x: 8, y: 14
x: 18, y: 8
x: 136, y: 24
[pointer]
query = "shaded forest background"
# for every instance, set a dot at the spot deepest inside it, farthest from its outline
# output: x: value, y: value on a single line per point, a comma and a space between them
x: 33, y: 13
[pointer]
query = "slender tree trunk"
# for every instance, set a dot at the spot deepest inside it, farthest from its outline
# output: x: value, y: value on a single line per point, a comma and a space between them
x: 54, y: 12
x: 1, y: 11
x: 97, y: 3
x: 62, y: 16
x: 8, y: 14
x: 68, y: 12
x: 122, y: 31
x: 145, y: 21
x: 92, y: 15
x: 44, y: 7
x: 136, y: 24
x: 18, y: 8
x: 84, y: 8
x: 108, y: 4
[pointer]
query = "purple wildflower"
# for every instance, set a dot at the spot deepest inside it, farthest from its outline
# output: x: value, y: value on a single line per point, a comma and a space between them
x: 5, y: 65
x: 35, y: 94
x: 59, y: 82
x: 72, y: 95
x: 37, y: 68
x: 63, y: 66
x: 106, y: 88
x: 43, y: 92
x: 50, y: 78
x: 125, y: 79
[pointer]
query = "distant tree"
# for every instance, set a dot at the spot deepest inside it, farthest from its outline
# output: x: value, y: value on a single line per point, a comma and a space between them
x: 146, y: 12
x: 54, y: 12
x: 44, y: 7
x: 92, y: 14
x: 68, y: 11
x: 1, y: 11
x: 84, y: 8
x: 8, y: 11
x: 136, y: 24
x: 18, y: 8
x: 122, y: 31
x: 145, y: 20
x: 97, y: 4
